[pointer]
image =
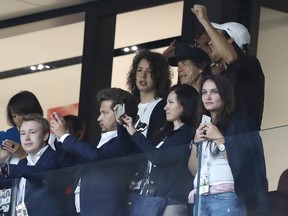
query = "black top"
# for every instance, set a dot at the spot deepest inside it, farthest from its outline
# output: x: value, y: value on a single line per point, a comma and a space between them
x: 169, y: 172
x: 248, y: 82
x: 157, y: 119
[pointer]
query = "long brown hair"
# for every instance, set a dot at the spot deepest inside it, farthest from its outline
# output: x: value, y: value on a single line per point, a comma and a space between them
x: 226, y: 93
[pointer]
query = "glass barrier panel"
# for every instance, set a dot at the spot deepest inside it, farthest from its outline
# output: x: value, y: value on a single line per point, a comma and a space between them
x: 119, y: 184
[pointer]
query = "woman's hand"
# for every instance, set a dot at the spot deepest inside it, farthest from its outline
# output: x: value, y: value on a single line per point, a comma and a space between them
x: 208, y: 131
x: 200, y: 134
x: 58, y: 125
x: 10, y: 146
x: 14, y: 148
x: 128, y: 124
x: 213, y: 133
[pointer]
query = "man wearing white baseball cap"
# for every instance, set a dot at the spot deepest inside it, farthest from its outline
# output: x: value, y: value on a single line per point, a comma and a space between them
x: 235, y: 30
x: 227, y: 47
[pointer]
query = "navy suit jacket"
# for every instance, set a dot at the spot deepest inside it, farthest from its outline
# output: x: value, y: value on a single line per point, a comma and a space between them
x: 40, y: 195
x: 104, y: 184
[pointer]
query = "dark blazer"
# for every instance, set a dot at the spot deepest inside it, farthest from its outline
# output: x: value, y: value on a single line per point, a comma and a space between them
x: 157, y: 119
x: 246, y: 160
x: 170, y: 172
x: 40, y: 196
x: 104, y: 184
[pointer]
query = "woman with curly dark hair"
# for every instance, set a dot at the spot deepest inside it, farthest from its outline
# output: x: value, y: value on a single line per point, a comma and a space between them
x: 149, y: 79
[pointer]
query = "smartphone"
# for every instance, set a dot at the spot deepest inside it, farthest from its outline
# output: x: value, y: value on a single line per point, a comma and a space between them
x: 120, y: 110
x: 54, y: 116
x: 206, y: 119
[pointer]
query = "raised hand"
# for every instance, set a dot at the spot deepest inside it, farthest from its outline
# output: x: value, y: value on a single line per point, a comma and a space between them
x: 128, y: 124
x: 58, y: 125
x: 201, y: 13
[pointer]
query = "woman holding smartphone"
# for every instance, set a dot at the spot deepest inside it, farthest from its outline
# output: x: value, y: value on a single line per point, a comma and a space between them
x: 167, y: 175
x: 232, y: 167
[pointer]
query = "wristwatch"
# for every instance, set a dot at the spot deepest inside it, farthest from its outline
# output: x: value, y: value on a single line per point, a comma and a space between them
x: 221, y: 147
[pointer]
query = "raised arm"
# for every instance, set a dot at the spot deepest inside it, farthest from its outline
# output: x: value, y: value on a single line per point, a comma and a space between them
x: 223, y: 46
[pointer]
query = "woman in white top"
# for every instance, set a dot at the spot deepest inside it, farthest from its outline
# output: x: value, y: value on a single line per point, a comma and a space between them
x: 232, y: 168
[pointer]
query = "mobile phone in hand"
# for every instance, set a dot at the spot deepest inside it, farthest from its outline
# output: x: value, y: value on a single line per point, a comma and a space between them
x: 120, y: 110
x: 206, y: 119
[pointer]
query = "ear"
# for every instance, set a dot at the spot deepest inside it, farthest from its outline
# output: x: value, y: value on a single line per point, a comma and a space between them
x: 231, y: 40
x: 200, y: 71
x: 45, y: 137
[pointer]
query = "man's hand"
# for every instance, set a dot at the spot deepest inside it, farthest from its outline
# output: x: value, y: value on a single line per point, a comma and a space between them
x: 58, y: 125
x: 128, y: 124
x: 201, y: 13
x: 170, y: 51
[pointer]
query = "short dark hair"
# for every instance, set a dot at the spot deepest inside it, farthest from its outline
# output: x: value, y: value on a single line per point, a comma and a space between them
x: 160, y: 73
x: 23, y: 103
x: 76, y: 122
x: 38, y: 118
x: 119, y: 96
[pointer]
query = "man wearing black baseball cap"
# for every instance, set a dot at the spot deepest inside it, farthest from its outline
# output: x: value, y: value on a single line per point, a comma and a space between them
x: 193, y: 63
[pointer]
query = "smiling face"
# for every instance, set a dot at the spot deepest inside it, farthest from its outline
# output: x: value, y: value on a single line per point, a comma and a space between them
x: 106, y: 119
x: 211, y: 98
x: 32, y: 137
x: 144, y: 81
x: 188, y: 73
x: 173, y: 108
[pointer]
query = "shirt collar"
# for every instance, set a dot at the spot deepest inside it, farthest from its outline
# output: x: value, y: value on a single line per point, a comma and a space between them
x: 105, y: 137
x: 32, y: 160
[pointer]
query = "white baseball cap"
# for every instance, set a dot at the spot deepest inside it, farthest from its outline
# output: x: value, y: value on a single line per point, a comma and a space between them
x: 236, y: 31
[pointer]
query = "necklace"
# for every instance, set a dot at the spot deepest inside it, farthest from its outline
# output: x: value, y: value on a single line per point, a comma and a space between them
x: 144, y: 112
x: 143, y: 107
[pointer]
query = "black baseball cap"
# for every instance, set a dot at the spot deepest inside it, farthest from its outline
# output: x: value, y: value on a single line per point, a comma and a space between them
x: 194, y: 54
